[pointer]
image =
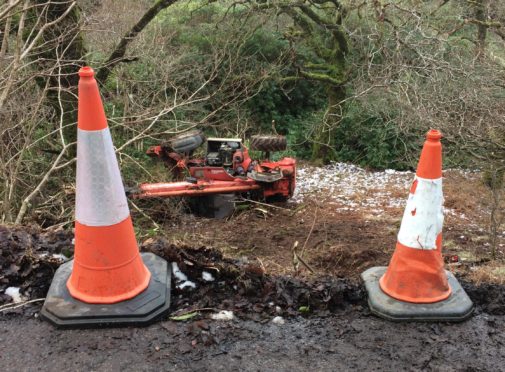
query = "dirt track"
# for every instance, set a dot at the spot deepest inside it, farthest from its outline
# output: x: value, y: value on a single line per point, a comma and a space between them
x: 350, y: 340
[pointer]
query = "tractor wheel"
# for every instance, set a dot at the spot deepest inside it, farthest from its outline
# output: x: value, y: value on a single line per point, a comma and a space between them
x: 268, y: 143
x: 186, y: 142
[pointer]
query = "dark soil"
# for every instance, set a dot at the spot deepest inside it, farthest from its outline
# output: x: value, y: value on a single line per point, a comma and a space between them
x: 341, y: 244
x: 26, y: 261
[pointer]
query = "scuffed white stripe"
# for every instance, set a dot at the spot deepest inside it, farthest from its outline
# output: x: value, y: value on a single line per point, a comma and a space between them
x: 423, y: 217
x: 101, y: 200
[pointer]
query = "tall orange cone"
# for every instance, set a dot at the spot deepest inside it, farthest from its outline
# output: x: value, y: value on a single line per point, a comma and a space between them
x: 415, y: 286
x: 416, y: 272
x: 110, y: 281
x: 107, y: 264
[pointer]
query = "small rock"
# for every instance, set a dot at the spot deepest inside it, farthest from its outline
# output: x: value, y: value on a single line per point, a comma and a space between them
x: 202, y: 325
x: 279, y: 320
x: 223, y: 315
x: 169, y: 326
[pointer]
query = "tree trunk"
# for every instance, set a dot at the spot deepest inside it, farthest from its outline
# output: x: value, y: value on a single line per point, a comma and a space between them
x: 480, y: 15
x: 323, y: 147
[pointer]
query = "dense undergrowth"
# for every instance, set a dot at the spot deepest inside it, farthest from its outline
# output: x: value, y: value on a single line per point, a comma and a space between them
x: 359, y: 84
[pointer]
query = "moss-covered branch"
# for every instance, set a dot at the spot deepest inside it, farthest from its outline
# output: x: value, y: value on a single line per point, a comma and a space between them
x: 324, y: 78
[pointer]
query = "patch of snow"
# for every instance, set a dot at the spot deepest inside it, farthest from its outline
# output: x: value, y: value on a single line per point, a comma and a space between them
x: 207, y: 276
x: 57, y: 256
x: 351, y: 188
x: 178, y: 274
x: 14, y: 293
x: 279, y: 320
x: 223, y: 315
x: 343, y: 183
x: 185, y: 284
x: 181, y: 278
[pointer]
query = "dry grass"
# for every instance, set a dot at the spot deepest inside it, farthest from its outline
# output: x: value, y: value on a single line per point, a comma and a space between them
x: 493, y: 272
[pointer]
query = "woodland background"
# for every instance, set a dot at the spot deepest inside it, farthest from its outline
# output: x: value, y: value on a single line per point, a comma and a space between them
x: 352, y: 81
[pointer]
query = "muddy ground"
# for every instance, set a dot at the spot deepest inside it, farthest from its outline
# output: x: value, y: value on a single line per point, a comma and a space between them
x: 343, y: 341
x: 327, y: 324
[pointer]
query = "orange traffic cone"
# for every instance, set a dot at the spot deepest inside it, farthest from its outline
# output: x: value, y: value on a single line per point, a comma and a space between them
x: 416, y: 272
x: 107, y: 266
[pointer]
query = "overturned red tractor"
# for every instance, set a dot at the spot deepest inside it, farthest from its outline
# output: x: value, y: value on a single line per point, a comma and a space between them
x: 225, y: 170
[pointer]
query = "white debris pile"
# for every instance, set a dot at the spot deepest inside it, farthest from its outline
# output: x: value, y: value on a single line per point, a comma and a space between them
x: 352, y: 187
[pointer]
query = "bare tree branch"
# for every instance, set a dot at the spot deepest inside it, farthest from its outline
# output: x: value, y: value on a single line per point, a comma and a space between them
x: 117, y: 55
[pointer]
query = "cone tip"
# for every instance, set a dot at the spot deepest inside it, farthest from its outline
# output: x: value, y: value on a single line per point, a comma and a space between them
x: 434, y: 135
x: 86, y: 71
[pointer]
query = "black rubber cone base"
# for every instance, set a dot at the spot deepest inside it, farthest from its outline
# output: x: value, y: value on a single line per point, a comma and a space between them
x: 64, y: 311
x: 456, y: 308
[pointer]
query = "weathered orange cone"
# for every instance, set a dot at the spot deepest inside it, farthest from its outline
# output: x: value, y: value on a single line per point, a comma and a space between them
x: 416, y: 272
x: 107, y: 267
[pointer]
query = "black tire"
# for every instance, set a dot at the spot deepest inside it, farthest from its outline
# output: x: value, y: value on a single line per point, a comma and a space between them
x: 268, y: 143
x: 186, y: 142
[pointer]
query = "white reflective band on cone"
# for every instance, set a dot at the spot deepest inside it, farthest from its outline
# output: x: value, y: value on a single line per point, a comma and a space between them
x: 100, y: 200
x: 423, y: 217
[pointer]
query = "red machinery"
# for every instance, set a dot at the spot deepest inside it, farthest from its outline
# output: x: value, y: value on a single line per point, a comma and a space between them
x: 226, y: 168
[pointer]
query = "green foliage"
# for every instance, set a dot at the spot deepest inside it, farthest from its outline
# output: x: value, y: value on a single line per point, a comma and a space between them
x: 265, y: 44
x: 370, y: 141
x: 304, y: 309
x: 184, y: 317
x: 289, y: 107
